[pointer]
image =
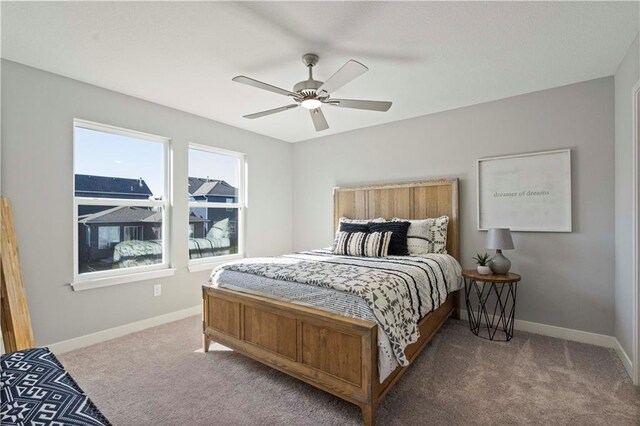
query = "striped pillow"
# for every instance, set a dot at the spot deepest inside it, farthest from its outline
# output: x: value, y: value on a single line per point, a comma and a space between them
x: 353, y: 225
x: 365, y: 244
x: 349, y: 227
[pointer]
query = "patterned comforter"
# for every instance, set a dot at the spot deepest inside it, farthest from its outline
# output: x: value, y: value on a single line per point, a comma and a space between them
x: 36, y: 390
x: 398, y: 290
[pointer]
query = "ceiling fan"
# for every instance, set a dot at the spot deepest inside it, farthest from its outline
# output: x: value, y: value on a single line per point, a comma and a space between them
x: 312, y: 94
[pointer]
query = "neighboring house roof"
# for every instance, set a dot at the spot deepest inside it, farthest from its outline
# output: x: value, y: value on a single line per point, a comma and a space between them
x: 194, y: 218
x: 111, y: 187
x: 128, y: 214
x: 116, y: 187
x: 118, y: 214
x: 201, y: 187
x: 204, y: 189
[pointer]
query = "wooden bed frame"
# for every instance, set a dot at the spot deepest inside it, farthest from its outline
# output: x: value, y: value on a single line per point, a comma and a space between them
x: 302, y: 341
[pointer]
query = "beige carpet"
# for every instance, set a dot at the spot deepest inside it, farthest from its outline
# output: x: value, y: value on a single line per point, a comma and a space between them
x: 160, y: 376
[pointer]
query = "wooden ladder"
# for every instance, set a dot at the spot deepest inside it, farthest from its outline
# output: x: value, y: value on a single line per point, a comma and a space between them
x: 16, y: 322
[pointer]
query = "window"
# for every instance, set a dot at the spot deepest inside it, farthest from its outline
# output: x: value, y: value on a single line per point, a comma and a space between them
x: 216, y: 202
x: 133, y: 233
x: 108, y: 236
x: 121, y: 202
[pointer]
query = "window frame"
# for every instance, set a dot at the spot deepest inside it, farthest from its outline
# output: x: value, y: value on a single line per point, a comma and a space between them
x: 97, y: 279
x: 206, y: 263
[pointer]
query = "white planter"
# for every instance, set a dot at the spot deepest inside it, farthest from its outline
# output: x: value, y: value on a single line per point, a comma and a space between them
x: 484, y: 270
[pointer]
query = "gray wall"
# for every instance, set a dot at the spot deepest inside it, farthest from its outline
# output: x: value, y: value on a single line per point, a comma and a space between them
x: 37, y: 113
x: 567, y: 277
x: 625, y: 78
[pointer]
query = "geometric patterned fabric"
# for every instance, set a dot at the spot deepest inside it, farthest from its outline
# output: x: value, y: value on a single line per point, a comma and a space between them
x: 36, y: 390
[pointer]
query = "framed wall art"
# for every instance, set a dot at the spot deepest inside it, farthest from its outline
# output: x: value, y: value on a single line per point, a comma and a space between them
x: 526, y: 192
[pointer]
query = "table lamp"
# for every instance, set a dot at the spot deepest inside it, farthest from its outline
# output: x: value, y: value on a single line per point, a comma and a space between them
x: 499, y: 239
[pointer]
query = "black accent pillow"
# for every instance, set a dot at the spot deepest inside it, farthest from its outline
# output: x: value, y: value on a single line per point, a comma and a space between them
x: 353, y: 227
x: 398, y: 245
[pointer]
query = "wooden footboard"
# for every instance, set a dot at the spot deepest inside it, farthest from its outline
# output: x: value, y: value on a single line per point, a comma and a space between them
x: 302, y: 342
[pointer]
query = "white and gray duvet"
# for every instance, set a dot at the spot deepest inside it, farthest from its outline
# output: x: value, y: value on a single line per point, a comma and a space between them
x: 395, y: 292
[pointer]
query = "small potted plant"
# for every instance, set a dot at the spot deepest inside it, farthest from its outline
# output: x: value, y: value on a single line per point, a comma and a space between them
x: 483, y: 263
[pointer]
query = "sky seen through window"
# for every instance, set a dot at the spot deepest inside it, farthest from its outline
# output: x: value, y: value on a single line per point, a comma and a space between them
x: 105, y: 154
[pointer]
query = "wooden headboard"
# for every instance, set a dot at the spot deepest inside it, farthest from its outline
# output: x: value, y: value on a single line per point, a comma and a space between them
x: 415, y: 200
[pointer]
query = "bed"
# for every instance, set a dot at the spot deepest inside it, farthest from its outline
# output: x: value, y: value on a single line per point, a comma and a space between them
x: 301, y: 340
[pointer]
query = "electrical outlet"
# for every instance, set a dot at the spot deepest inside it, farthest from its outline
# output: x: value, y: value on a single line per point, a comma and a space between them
x: 157, y: 290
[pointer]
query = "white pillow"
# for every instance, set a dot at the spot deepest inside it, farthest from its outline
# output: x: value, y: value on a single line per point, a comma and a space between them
x: 347, y: 220
x: 219, y: 229
x: 427, y: 235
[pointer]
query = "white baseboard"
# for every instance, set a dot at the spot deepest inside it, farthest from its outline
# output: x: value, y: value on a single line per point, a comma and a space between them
x: 573, y: 335
x: 112, y: 333
x: 626, y: 361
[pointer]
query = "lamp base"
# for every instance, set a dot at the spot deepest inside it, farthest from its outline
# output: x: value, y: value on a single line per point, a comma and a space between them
x: 500, y: 265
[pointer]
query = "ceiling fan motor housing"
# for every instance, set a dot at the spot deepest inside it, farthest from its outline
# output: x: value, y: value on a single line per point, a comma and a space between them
x: 307, y: 85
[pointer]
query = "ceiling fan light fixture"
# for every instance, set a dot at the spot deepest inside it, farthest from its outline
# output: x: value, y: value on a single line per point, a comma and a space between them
x: 311, y: 103
x: 312, y: 94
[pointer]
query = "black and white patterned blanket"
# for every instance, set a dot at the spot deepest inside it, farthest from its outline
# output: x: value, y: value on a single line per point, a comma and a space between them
x: 399, y: 290
x: 36, y: 390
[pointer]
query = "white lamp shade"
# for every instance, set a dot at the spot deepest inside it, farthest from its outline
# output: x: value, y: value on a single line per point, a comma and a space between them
x: 499, y: 239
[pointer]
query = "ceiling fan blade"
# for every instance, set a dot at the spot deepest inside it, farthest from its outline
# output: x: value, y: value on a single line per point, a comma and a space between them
x: 358, y: 104
x: 270, y: 111
x: 260, y: 85
x: 349, y: 71
x: 319, y: 122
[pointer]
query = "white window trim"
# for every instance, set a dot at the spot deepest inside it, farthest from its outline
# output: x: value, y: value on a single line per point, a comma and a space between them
x: 122, y: 279
x: 99, y: 279
x: 208, y: 263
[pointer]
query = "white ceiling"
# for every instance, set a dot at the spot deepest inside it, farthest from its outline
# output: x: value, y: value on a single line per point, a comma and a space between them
x: 423, y: 56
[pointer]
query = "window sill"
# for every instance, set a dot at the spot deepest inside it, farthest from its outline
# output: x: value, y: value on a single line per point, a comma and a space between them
x: 198, y: 265
x: 121, y: 279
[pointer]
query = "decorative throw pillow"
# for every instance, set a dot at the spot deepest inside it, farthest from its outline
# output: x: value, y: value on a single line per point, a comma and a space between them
x: 346, y: 221
x: 350, y: 227
x: 398, y: 244
x: 427, y: 235
x: 353, y: 227
x: 367, y: 244
x: 361, y: 221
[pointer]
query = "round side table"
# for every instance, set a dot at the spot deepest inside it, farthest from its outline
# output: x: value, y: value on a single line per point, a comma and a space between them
x: 484, y: 321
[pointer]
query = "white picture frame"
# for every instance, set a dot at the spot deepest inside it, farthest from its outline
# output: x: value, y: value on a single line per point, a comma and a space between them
x: 525, y: 192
